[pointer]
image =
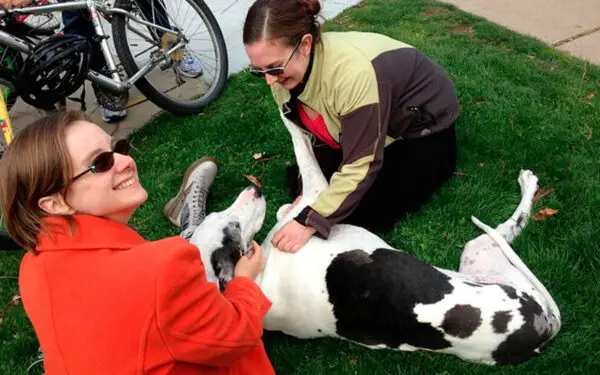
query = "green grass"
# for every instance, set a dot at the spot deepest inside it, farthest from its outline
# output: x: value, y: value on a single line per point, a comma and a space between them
x: 524, y: 105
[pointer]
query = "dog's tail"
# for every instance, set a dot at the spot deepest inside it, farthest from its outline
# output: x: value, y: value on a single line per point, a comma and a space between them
x: 522, y: 267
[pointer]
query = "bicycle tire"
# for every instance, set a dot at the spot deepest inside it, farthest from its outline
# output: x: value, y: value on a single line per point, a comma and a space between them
x: 175, y: 107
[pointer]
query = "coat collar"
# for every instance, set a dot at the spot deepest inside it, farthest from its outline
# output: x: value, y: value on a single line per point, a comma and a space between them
x: 90, y: 233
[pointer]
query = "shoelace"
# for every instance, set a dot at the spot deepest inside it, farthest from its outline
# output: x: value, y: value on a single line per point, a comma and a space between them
x: 198, y: 215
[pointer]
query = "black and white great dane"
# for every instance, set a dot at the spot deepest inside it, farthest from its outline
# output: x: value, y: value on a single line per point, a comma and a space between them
x: 355, y: 286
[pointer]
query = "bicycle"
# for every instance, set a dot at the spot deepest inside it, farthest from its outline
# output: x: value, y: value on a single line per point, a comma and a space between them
x: 167, y: 47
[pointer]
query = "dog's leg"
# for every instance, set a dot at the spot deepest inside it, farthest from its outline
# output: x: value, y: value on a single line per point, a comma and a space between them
x: 512, y: 227
x: 313, y: 180
x: 481, y: 256
x: 283, y: 210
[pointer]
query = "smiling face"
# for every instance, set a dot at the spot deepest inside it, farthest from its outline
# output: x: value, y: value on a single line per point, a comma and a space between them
x: 224, y: 237
x: 114, y: 194
x: 268, y: 54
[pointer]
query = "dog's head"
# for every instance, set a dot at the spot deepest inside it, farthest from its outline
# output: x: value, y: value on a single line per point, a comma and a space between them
x: 224, y: 237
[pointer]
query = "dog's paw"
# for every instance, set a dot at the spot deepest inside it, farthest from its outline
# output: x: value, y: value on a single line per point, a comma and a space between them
x: 527, y: 180
x: 283, y: 210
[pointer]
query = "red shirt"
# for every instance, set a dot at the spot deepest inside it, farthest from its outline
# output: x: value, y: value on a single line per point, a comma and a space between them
x: 317, y: 127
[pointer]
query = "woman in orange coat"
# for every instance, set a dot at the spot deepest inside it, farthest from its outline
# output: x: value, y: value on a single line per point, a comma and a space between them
x: 101, y: 299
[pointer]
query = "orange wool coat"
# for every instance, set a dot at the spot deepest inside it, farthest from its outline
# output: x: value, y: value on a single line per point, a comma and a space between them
x: 105, y: 301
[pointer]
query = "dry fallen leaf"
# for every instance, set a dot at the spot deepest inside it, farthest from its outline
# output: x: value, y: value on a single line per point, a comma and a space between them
x: 1, y: 319
x: 541, y: 194
x: 353, y: 362
x: 460, y: 174
x: 16, y: 299
x: 258, y: 155
x: 589, y: 129
x: 590, y: 96
x: 254, y: 180
x: 478, y: 100
x: 545, y: 213
x: 481, y: 164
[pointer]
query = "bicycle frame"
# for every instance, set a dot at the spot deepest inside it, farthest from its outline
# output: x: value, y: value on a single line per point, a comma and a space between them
x: 95, y: 7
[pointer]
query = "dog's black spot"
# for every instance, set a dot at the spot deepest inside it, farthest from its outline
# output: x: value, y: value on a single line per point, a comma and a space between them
x: 501, y: 320
x: 520, y: 220
x: 319, y: 330
x: 473, y: 284
x: 373, y: 298
x: 509, y: 290
x: 520, y: 345
x: 224, y: 259
x: 461, y: 321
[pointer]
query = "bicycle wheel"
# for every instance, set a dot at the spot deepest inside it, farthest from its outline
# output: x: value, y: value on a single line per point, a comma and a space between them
x: 169, y: 86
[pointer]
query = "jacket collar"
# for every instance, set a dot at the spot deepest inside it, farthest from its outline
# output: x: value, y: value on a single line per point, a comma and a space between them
x: 89, y: 233
x: 309, y: 89
x: 312, y: 86
x: 299, y: 89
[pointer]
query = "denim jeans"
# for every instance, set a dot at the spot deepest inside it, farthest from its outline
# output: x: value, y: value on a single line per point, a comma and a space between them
x: 82, y: 25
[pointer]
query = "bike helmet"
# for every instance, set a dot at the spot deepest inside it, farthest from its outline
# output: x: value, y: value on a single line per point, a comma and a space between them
x: 56, y: 68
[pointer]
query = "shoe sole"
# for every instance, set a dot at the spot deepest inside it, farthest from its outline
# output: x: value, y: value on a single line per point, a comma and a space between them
x: 175, y: 204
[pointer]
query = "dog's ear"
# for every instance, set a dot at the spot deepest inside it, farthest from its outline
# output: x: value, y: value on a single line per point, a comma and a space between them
x: 224, y: 259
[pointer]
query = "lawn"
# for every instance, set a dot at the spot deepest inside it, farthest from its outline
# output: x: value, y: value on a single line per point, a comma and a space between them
x: 524, y: 105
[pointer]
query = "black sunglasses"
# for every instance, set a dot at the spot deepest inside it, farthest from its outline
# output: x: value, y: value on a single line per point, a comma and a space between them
x: 105, y: 161
x: 274, y: 71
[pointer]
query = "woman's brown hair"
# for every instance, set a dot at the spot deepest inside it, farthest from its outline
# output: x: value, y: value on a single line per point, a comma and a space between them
x: 36, y: 164
x: 289, y: 20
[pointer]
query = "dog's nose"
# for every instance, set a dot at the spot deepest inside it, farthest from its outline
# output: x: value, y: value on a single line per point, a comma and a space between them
x: 257, y: 190
x: 256, y: 185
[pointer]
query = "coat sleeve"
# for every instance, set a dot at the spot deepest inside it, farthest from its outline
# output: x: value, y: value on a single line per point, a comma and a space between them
x: 197, y: 322
x: 364, y: 122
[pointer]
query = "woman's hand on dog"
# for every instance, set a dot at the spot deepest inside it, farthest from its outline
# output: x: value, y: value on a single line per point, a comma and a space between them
x: 251, y: 264
x: 292, y: 237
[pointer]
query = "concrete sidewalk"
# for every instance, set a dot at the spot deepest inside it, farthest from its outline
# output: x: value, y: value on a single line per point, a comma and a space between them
x: 572, y: 26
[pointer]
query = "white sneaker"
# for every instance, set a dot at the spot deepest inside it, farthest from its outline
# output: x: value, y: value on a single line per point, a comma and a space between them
x: 112, y: 116
x: 188, y: 208
x: 189, y: 66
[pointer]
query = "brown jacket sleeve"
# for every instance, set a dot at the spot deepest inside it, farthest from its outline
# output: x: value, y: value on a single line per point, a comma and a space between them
x: 364, y: 124
x: 201, y: 325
